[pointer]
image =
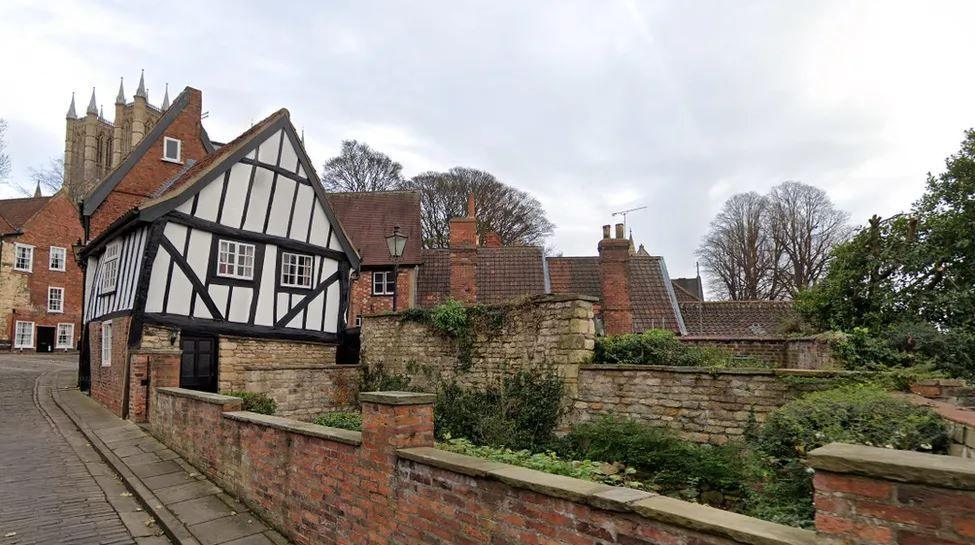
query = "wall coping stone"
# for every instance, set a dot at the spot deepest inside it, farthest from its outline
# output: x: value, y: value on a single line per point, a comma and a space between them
x: 348, y: 437
x: 205, y: 397
x: 895, y: 465
x: 723, y: 370
x: 703, y: 518
x: 397, y: 398
x: 545, y: 298
x: 746, y: 338
x: 948, y: 411
x: 668, y: 510
x: 326, y: 367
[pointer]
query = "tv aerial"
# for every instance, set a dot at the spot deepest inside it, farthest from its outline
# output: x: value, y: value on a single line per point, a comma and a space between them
x: 625, y: 212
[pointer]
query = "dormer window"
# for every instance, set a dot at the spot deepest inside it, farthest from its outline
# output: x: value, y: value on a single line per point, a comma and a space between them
x: 172, y: 149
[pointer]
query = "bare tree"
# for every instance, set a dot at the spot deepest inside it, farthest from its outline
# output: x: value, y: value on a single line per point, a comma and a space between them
x: 517, y: 217
x: 739, y: 254
x: 360, y: 168
x: 50, y: 178
x: 806, y: 225
x: 4, y: 157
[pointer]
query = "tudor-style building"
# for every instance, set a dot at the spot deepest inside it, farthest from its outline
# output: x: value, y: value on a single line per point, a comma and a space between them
x: 239, y: 245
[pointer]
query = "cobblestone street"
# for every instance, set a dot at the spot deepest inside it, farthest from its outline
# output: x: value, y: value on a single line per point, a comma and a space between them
x: 53, y: 487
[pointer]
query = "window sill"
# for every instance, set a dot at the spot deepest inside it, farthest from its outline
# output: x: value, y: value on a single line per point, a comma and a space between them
x: 49, y: 311
x: 23, y: 270
x: 173, y: 161
x: 57, y: 270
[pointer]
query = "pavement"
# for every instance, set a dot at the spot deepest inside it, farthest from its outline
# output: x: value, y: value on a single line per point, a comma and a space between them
x: 121, y: 484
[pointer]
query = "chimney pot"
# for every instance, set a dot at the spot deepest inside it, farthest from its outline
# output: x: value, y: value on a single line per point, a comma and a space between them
x: 605, y: 231
x: 619, y: 230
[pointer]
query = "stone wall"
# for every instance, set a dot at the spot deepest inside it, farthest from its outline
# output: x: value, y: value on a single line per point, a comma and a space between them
x: 389, y: 485
x: 548, y: 331
x: 306, y: 392
x: 702, y: 405
x: 780, y: 352
x: 238, y: 354
x: 873, y: 496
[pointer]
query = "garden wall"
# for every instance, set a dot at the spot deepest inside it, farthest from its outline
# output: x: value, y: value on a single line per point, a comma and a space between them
x: 702, y: 405
x: 779, y: 352
x: 548, y: 331
x: 304, y: 392
x: 389, y: 485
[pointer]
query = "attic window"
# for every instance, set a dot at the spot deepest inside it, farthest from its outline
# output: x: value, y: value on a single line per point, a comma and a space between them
x: 172, y: 149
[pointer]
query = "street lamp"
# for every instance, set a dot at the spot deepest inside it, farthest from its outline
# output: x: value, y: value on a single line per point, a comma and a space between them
x: 395, y: 243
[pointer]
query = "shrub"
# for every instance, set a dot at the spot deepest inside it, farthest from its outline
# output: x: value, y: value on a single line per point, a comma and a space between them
x: 859, y: 414
x: 344, y: 420
x: 519, y: 411
x: 375, y: 379
x: 664, y: 461
x: 861, y: 350
x: 658, y: 347
x: 255, y: 402
x: 450, y: 318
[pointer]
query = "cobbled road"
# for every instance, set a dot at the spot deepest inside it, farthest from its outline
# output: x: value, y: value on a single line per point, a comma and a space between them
x: 49, y: 494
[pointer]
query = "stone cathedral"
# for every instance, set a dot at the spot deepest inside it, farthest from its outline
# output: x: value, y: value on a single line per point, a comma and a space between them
x: 94, y: 146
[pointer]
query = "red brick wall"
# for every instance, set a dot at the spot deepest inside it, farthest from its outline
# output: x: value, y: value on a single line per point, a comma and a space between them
x: 861, y: 510
x: 151, y: 171
x: 321, y: 485
x: 363, y: 303
x: 107, y: 383
x: 56, y: 224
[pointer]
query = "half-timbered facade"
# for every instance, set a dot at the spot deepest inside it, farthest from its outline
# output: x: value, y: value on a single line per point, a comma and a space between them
x: 240, y: 244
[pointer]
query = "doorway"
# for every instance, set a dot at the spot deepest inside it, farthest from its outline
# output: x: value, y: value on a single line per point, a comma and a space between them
x: 45, y: 339
x: 198, y: 363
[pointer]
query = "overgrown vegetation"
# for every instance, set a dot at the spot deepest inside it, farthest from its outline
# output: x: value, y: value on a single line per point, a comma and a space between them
x: 662, y: 347
x: 339, y: 419
x: 764, y: 476
x: 519, y: 411
x: 255, y: 402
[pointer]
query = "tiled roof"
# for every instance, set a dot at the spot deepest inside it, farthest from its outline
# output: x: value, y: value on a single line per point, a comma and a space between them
x: 503, y: 274
x: 433, y: 278
x: 652, y: 303
x: 688, y: 289
x: 575, y: 275
x: 509, y: 272
x: 16, y: 212
x: 735, y: 318
x: 368, y: 217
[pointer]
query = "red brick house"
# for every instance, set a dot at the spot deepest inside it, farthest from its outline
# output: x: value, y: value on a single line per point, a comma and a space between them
x: 368, y: 217
x: 40, y: 282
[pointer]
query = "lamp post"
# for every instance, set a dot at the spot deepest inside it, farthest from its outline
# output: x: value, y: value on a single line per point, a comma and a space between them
x: 395, y: 243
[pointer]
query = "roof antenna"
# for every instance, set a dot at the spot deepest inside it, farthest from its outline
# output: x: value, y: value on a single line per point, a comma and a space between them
x: 625, y: 212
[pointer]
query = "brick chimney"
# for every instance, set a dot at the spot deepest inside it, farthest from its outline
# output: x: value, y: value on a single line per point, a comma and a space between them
x: 614, y: 278
x: 463, y: 256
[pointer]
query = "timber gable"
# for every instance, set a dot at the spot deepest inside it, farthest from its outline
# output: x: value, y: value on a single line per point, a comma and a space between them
x: 255, y: 202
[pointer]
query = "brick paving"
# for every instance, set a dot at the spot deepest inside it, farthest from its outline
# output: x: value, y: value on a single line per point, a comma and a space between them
x: 54, y: 488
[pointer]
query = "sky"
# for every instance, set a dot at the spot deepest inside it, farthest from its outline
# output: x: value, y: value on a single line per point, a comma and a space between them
x: 591, y: 107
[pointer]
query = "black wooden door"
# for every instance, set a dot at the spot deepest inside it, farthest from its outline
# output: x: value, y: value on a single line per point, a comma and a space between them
x: 45, y: 339
x: 198, y: 366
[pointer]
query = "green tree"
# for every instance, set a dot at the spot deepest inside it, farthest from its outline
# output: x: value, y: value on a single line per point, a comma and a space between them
x: 912, y: 274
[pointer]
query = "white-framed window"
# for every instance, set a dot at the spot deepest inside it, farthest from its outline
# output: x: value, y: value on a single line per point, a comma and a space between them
x: 296, y: 270
x: 56, y: 262
x: 235, y: 260
x: 110, y: 266
x: 55, y: 299
x: 65, y: 336
x: 107, y: 343
x: 172, y: 149
x: 23, y: 257
x: 383, y: 283
x: 358, y: 321
x: 24, y: 335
